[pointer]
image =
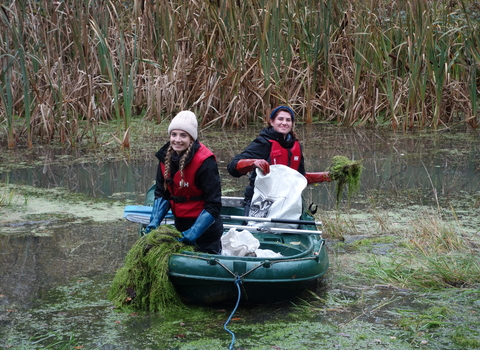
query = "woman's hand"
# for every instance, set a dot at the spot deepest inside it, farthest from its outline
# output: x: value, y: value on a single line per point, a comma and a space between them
x: 246, y: 165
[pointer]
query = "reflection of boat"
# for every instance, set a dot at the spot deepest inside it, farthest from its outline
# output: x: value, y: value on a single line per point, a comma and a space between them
x: 208, y: 278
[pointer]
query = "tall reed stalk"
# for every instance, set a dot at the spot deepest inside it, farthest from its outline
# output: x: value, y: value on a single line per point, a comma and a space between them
x: 6, y: 96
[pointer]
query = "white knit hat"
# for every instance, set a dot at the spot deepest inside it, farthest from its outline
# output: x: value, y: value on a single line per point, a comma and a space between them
x: 186, y: 121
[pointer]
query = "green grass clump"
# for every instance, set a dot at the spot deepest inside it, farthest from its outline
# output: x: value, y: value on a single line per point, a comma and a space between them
x: 142, y: 283
x: 466, y: 337
x: 433, y: 317
x: 345, y: 172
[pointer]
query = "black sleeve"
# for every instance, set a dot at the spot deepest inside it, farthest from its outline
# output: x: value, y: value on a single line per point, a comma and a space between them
x: 258, y: 149
x: 208, y: 180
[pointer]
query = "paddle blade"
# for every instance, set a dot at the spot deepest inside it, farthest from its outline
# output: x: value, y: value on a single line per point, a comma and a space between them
x: 137, y: 210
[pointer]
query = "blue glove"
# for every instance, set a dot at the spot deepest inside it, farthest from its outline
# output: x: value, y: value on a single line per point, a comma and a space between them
x: 204, y: 221
x: 160, y: 209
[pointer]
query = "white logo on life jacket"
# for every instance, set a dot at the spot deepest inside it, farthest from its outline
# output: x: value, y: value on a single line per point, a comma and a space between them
x: 183, y: 184
x: 296, y: 158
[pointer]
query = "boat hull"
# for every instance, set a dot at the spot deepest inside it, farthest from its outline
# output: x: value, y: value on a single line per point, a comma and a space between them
x: 210, y: 279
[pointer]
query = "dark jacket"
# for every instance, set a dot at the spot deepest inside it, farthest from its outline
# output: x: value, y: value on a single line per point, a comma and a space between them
x: 208, y: 180
x: 260, y: 149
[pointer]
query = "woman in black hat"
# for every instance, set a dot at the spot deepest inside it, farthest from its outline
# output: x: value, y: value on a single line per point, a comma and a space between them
x: 276, y: 144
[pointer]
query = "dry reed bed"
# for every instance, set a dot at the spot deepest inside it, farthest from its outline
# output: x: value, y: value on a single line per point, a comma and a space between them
x: 67, y: 66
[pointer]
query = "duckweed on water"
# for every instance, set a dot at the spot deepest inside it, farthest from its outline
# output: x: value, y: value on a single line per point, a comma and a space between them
x: 79, y: 311
x: 143, y: 284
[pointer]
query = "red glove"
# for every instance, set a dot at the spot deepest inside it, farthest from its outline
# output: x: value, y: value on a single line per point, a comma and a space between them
x: 246, y: 165
x: 317, y: 177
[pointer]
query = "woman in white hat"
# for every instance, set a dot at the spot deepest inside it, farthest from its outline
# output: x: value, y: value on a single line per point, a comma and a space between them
x: 188, y: 182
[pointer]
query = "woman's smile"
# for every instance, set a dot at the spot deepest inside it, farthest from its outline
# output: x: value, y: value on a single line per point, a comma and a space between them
x: 180, y: 140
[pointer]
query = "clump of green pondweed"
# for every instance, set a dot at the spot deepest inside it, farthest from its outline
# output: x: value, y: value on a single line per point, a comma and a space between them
x: 345, y: 172
x: 142, y: 283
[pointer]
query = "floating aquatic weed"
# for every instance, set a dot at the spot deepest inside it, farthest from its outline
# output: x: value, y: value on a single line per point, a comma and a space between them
x: 142, y: 283
x: 345, y: 172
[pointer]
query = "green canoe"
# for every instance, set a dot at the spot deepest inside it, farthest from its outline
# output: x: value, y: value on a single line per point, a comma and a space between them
x: 210, y: 279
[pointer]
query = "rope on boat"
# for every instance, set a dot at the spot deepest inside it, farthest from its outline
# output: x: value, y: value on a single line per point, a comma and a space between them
x: 255, y: 267
x: 238, y: 281
x: 244, y: 274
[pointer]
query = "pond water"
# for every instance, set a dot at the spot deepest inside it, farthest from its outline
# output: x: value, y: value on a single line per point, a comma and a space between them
x: 54, y: 273
x: 436, y: 166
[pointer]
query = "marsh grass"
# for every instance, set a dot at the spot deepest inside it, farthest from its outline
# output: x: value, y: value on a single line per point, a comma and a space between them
x: 68, y: 66
x: 337, y: 302
x: 7, y: 196
x: 417, y: 248
x: 433, y: 255
x: 465, y: 337
x: 12, y: 196
x: 384, y: 222
x: 338, y: 226
x: 431, y: 234
x: 432, y: 317
x: 52, y: 340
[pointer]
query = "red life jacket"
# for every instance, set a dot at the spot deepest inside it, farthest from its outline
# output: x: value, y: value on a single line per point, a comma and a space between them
x: 187, y: 200
x: 290, y: 157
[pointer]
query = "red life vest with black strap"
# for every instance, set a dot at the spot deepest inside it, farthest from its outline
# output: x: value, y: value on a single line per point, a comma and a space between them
x: 289, y: 157
x: 187, y: 200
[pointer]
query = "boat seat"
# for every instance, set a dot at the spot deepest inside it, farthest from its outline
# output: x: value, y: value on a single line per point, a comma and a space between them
x: 232, y: 202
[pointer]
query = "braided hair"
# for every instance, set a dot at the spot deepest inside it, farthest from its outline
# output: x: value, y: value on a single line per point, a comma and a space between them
x: 168, y: 162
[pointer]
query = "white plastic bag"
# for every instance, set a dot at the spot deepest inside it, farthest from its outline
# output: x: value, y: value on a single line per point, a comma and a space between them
x: 239, y: 243
x: 243, y: 243
x: 267, y: 253
x: 277, y: 195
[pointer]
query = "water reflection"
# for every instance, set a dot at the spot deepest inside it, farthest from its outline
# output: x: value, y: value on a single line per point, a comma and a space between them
x: 437, y: 165
x: 30, y: 265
